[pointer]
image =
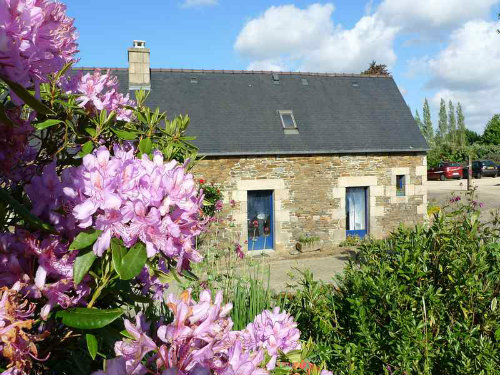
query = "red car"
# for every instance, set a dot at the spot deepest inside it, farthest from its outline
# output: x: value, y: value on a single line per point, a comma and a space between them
x: 444, y: 171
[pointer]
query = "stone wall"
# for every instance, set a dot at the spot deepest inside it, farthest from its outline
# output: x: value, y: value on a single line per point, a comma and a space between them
x: 309, y: 192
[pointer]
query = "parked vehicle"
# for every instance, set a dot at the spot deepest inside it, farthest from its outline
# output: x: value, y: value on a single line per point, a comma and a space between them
x: 445, y: 171
x: 482, y: 168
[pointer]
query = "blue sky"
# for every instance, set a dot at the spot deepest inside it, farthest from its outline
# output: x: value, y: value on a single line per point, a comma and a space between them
x: 434, y: 48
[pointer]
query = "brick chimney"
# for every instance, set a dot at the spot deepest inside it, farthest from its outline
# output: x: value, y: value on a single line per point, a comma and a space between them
x: 139, y: 76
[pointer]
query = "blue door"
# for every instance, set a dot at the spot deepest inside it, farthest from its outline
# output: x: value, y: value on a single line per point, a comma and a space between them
x: 356, y: 211
x: 260, y: 220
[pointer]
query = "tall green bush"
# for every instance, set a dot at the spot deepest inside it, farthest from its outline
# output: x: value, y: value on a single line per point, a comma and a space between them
x: 423, y: 301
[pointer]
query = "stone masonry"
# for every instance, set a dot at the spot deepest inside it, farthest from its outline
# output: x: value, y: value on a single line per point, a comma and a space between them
x: 309, y: 192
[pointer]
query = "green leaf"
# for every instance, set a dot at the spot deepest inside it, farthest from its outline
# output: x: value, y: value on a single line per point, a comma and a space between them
x: 47, y: 124
x: 86, y: 148
x: 85, y: 239
x: 118, y: 251
x: 90, y: 131
x: 27, y: 98
x: 85, y: 318
x: 91, y: 344
x: 82, y: 265
x: 189, y: 275
x: 63, y: 71
x: 125, y: 135
x: 497, y: 335
x: 133, y: 262
x: 23, y: 212
x: 127, y: 335
x: 145, y: 146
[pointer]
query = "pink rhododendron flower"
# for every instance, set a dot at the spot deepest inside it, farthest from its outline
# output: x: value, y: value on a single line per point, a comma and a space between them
x: 135, y: 199
x: 272, y: 331
x: 15, y: 151
x: 199, y: 341
x: 42, y: 267
x: 36, y: 39
x: 99, y: 91
x: 49, y: 201
x: 134, y: 350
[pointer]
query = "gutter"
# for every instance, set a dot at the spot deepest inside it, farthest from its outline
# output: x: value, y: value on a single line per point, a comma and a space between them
x: 316, y: 152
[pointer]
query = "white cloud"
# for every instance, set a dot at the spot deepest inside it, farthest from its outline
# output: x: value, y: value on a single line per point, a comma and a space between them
x: 271, y: 64
x: 199, y: 3
x: 428, y: 15
x: 307, y: 39
x: 471, y: 59
x: 285, y: 29
x: 478, y: 106
x: 467, y: 71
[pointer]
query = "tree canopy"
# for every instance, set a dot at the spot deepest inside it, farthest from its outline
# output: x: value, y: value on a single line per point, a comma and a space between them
x: 491, y: 133
x: 377, y: 69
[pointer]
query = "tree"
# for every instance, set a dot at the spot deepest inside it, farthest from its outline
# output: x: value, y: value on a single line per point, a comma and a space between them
x: 461, y: 128
x: 377, y: 69
x: 491, y: 133
x: 452, y: 123
x: 472, y: 137
x: 419, y: 122
x: 427, y: 125
x: 443, y: 122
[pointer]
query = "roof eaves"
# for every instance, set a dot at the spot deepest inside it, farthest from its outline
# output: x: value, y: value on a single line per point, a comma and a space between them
x: 315, y: 152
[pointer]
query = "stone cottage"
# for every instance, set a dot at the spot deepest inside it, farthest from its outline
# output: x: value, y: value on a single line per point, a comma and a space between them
x: 298, y: 155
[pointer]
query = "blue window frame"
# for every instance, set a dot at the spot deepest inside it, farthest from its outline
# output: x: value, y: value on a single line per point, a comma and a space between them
x: 356, y: 211
x: 260, y: 220
x: 400, y: 185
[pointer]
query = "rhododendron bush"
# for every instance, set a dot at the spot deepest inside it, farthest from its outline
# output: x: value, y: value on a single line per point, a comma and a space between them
x: 99, y: 213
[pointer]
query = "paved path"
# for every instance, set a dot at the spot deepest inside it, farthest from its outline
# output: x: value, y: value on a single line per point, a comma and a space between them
x: 323, y: 268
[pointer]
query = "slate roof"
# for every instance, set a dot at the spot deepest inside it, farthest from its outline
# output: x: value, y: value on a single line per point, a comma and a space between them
x: 236, y: 112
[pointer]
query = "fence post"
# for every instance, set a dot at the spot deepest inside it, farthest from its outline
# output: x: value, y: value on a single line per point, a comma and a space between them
x: 469, y: 175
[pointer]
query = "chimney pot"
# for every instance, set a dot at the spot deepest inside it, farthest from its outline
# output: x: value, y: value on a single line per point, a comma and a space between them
x: 139, y: 74
x: 139, y: 44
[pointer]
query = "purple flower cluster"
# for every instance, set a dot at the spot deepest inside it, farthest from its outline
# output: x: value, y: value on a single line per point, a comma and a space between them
x: 476, y: 204
x: 36, y: 39
x: 198, y: 342
x: 273, y: 331
x: 49, y: 201
x: 15, y: 151
x: 219, y: 205
x: 42, y: 267
x: 98, y: 91
x: 239, y: 250
x: 136, y: 199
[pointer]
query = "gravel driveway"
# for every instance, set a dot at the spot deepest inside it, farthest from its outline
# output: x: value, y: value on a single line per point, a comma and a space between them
x: 488, y: 192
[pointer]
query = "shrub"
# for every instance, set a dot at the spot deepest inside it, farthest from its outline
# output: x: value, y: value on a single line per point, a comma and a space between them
x: 423, y: 301
x: 98, y: 213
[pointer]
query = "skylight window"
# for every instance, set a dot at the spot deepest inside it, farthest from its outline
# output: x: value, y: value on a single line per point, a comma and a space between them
x: 287, y: 120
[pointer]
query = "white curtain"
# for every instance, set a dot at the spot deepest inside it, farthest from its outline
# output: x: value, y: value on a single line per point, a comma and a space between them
x: 356, y: 208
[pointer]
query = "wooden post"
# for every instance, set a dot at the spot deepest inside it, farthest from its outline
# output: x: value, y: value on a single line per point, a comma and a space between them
x: 469, y: 175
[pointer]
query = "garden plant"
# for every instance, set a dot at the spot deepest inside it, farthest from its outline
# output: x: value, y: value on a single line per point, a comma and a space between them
x: 99, y: 213
x: 422, y: 301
